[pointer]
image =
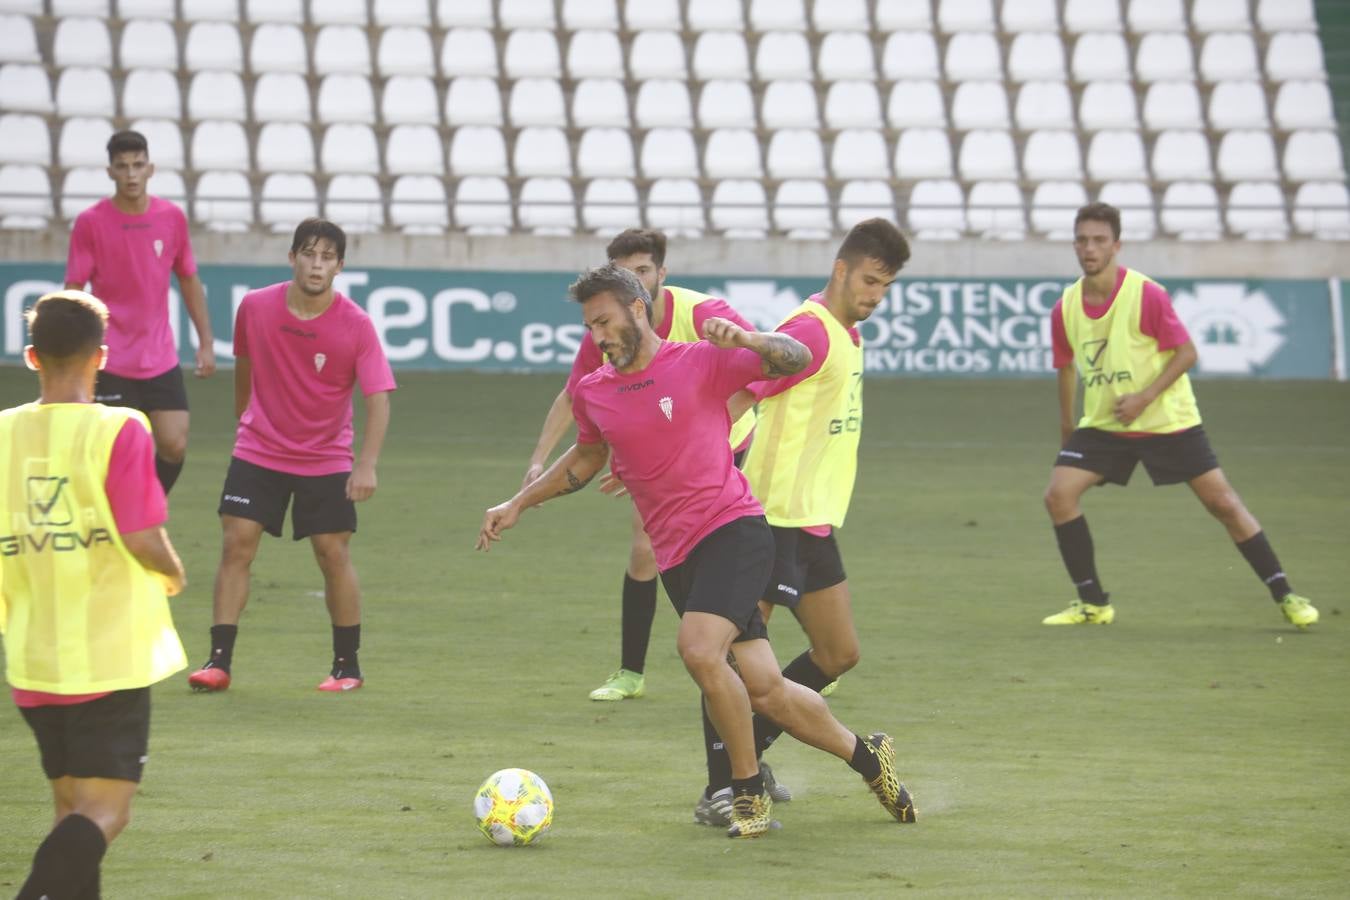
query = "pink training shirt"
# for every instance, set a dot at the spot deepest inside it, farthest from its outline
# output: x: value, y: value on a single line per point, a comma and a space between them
x: 667, y: 428
x: 1157, y: 319
x: 299, y: 414
x: 137, y: 503
x: 127, y: 260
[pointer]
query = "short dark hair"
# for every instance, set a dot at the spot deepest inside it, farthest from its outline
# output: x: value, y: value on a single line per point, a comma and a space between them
x: 127, y: 142
x: 622, y: 283
x: 64, y: 325
x: 875, y: 239
x: 312, y: 230
x: 639, y: 240
x: 1100, y: 212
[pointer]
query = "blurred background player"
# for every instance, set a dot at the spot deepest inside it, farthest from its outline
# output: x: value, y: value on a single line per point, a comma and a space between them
x: 126, y: 246
x: 300, y: 349
x: 678, y: 314
x: 1132, y: 353
x: 85, y: 573
x: 801, y: 468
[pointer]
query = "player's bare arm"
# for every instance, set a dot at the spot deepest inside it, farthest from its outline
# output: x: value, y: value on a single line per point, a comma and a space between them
x: 152, y: 549
x: 1068, y: 393
x: 740, y: 403
x: 556, y: 423
x: 1132, y: 406
x: 243, y: 384
x: 362, y: 482
x: 572, y: 472
x: 782, y: 355
x: 194, y: 298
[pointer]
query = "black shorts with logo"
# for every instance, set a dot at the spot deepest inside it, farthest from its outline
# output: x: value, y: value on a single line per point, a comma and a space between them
x: 803, y: 563
x: 104, y: 738
x: 166, y: 391
x: 725, y: 574
x: 261, y: 495
x: 1168, y: 458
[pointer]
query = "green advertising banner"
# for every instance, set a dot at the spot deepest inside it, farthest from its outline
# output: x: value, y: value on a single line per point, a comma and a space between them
x: 926, y: 327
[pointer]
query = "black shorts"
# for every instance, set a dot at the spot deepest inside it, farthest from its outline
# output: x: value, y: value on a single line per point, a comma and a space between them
x: 1168, y: 458
x: 261, y: 495
x: 166, y: 391
x: 725, y: 574
x: 803, y: 563
x: 104, y: 738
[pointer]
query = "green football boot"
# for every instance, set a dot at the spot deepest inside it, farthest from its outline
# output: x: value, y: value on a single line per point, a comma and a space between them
x: 622, y: 685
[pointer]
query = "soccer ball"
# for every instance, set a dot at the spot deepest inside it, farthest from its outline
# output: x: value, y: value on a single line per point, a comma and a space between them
x: 513, y: 807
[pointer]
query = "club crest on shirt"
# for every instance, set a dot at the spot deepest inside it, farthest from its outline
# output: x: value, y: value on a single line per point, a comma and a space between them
x: 667, y: 405
x: 159, y: 247
x: 319, y: 360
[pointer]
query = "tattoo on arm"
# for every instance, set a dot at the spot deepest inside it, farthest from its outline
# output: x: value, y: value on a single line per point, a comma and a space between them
x: 783, y: 355
x: 574, y: 483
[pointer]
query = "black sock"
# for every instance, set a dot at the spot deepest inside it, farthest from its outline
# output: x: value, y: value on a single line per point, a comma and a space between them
x: 1075, y: 545
x: 639, y: 609
x: 719, y: 764
x: 222, y: 646
x: 805, y: 672
x: 346, y: 641
x: 754, y: 786
x: 167, y: 472
x: 92, y: 888
x: 66, y: 861
x: 864, y: 761
x: 1261, y: 557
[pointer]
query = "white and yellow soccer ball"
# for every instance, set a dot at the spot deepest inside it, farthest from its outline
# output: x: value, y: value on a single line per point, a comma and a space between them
x: 513, y: 807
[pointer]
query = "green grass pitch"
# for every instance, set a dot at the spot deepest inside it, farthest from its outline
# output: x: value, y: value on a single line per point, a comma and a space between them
x: 1197, y: 747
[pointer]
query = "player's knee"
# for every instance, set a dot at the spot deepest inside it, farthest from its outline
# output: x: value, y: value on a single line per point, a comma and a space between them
x: 238, y: 550
x: 1225, y: 506
x: 332, y: 558
x: 769, y: 698
x: 172, y: 448
x: 835, y: 661
x: 112, y: 820
x: 701, y: 658
x: 1056, y: 502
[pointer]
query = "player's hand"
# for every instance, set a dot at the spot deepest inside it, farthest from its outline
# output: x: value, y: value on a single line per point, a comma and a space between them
x: 610, y: 484
x: 361, y: 483
x: 495, y: 521
x: 1130, y: 407
x: 206, y: 362
x: 173, y: 584
x: 724, y: 333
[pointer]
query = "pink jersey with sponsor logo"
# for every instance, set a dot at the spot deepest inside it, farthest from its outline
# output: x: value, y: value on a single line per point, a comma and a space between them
x: 666, y: 427
x: 126, y: 260
x: 299, y: 414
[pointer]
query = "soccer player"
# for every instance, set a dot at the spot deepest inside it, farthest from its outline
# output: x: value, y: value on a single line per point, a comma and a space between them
x: 126, y: 246
x: 1131, y: 353
x: 85, y: 573
x: 661, y: 407
x: 801, y: 468
x: 678, y: 314
x: 300, y: 348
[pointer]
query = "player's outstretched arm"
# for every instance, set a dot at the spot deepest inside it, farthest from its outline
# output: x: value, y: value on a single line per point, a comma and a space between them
x: 556, y: 423
x: 361, y: 483
x: 572, y: 472
x: 194, y: 298
x: 782, y: 355
x: 152, y: 549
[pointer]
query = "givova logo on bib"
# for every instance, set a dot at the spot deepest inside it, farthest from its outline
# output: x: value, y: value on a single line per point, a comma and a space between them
x: 1235, y: 332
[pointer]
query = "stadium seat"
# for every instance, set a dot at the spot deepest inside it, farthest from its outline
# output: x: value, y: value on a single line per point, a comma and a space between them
x: 483, y: 205
x: 516, y: 14
x: 726, y: 103
x: 845, y: 54
x: 777, y: 15
x: 408, y: 100
x: 973, y: 55
x: 417, y: 150
x: 1172, y: 104
x: 223, y: 201
x: 739, y: 209
x: 865, y: 199
x: 151, y: 93
x: 656, y: 54
x: 802, y: 209
x: 1313, y: 156
x: 473, y: 100
x: 911, y: 54
x: 916, y: 104
x: 25, y: 197
x: 353, y: 201
x: 1256, y: 211
x: 1091, y: 15
x: 547, y: 206
x: 169, y: 185
x: 711, y: 15
x: 1045, y: 104
x: 605, y: 152
x: 542, y: 152
x: 594, y: 54
x: 1036, y: 56
x: 994, y: 210
x: 405, y: 51
x: 1228, y: 57
x: 649, y: 14
x: 1321, y: 209
x: 1053, y: 205
x: 62, y: 8
x: 341, y: 49
x: 900, y: 15
x: 287, y: 199
x: 465, y: 13
x: 1138, y: 218
x: 1156, y: 15
x: 720, y: 54
x: 1052, y: 155
x: 1286, y: 15
x: 789, y: 104
x: 1238, y: 104
x: 795, y: 153
x: 346, y: 98
x: 18, y: 40
x: 1029, y: 15
x: 83, y: 142
x: 1190, y: 211
x: 1301, y: 104
x: 468, y: 51
x: 28, y: 7
x: 920, y: 153
x: 1293, y: 55
x: 83, y: 41
x: 165, y: 140
x: 417, y: 205
x: 82, y: 91
x: 350, y: 149
x: 980, y: 104
x: 278, y: 48
x: 861, y: 153
x: 582, y: 14
x: 413, y: 13
x: 732, y: 153
x: 217, y: 95
x: 1220, y: 15
x: 338, y: 12
x: 853, y: 104
x: 965, y: 15
x: 668, y: 153
x: 937, y: 210
x: 281, y: 97
x: 27, y: 140
x: 609, y: 205
x: 147, y: 44
x: 675, y: 206
x: 783, y: 55
x: 987, y: 154
x: 290, y: 12
x: 1180, y: 155
x: 530, y: 53
x: 282, y: 147
x: 1247, y: 156
x: 600, y: 102
x: 1164, y: 56
x: 839, y: 15
x: 537, y: 101
x: 663, y: 102
x: 213, y: 45
x: 1100, y: 56
x: 210, y: 10
x: 1116, y: 156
